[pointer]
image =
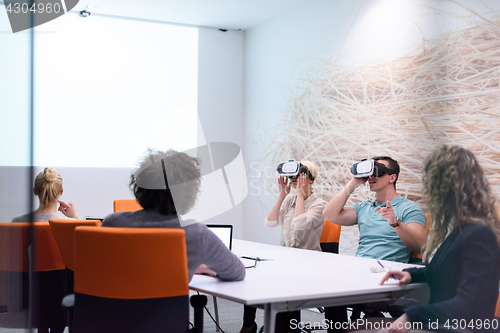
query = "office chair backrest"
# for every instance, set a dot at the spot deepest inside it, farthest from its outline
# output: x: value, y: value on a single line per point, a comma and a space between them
x: 47, y: 278
x: 330, y: 237
x: 126, y: 205
x: 64, y: 235
x: 122, y: 274
x: 417, y: 257
x: 497, y: 311
x: 14, y: 238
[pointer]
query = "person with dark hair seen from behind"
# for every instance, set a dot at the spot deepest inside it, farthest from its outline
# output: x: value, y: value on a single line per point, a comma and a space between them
x: 151, y: 185
x: 462, y: 255
x: 300, y: 216
x: 48, y: 188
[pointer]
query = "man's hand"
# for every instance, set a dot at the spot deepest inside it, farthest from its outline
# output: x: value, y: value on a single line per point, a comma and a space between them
x: 68, y: 209
x: 387, y: 213
x: 355, y: 182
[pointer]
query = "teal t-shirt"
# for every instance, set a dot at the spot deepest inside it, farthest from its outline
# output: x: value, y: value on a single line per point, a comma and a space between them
x: 377, y: 239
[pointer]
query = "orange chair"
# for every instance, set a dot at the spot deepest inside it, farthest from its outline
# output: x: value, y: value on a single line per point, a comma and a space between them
x: 497, y: 312
x: 417, y: 257
x: 130, y: 280
x: 330, y: 237
x: 126, y: 205
x: 48, y: 271
x: 64, y: 235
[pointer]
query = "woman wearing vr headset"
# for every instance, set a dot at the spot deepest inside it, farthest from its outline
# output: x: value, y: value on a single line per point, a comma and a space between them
x: 462, y: 254
x: 300, y: 216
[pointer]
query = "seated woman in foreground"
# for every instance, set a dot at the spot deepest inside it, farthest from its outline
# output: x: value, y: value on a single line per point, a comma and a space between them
x: 462, y: 254
x: 48, y: 188
x: 151, y: 185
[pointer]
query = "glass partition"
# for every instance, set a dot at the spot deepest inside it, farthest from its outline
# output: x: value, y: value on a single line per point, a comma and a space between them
x: 15, y: 171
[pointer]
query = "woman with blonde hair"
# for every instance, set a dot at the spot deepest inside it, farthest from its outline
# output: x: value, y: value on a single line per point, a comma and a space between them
x: 48, y: 188
x: 300, y: 216
x: 462, y: 254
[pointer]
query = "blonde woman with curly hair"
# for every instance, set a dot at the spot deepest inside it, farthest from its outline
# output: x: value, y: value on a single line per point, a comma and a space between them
x: 462, y: 255
x: 48, y: 188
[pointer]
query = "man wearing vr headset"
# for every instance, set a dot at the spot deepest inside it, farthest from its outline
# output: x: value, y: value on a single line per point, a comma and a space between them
x: 389, y: 227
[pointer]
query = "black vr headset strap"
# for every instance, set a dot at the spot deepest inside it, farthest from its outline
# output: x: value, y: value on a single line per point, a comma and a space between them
x: 308, y: 172
x: 380, y: 168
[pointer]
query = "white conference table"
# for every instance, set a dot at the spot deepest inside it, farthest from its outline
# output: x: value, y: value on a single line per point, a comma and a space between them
x: 298, y: 279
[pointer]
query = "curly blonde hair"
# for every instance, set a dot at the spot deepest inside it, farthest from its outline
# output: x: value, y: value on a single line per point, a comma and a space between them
x: 456, y: 192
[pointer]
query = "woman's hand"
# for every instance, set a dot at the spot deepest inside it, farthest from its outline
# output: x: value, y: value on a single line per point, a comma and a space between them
x: 400, y: 325
x: 302, y: 185
x: 403, y: 277
x: 68, y: 209
x: 204, y: 270
x: 284, y: 185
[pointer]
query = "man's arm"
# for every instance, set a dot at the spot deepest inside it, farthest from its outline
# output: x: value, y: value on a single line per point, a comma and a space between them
x: 335, y: 211
x: 412, y: 233
x: 219, y: 259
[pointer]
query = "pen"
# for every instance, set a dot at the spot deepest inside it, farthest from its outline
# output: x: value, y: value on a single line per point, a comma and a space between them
x: 256, y: 258
x: 384, y: 268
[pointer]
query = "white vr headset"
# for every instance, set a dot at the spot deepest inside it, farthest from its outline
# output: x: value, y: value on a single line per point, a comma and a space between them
x: 292, y: 169
x: 367, y: 168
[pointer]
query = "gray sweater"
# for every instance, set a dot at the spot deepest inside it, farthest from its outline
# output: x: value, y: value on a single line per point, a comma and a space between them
x: 36, y: 217
x: 203, y: 246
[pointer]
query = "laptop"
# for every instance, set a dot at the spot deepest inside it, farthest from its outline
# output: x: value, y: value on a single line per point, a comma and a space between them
x: 94, y: 218
x: 224, y: 232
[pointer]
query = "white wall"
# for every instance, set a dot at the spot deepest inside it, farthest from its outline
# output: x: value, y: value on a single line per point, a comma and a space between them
x: 276, y: 53
x: 280, y: 55
x: 220, y: 101
x: 14, y: 119
x: 220, y: 98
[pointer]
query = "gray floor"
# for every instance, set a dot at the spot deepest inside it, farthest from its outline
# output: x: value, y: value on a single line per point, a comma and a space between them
x: 230, y: 317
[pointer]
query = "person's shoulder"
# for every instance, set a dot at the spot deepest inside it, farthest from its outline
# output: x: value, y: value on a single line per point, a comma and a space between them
x: 21, y: 218
x: 36, y: 217
x: 195, y: 227
x: 409, y: 204
x: 315, y: 200
x: 110, y: 219
x: 479, y: 238
x: 477, y: 230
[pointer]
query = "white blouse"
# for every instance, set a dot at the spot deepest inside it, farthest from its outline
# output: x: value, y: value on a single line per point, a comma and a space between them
x: 303, y: 231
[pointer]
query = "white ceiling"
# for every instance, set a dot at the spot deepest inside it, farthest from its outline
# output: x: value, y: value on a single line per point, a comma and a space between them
x: 223, y: 14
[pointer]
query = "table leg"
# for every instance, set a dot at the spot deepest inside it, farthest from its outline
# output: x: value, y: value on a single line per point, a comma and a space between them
x: 269, y: 318
x: 216, y: 310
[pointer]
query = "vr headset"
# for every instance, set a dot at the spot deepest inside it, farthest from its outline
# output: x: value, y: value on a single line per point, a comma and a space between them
x: 367, y: 168
x: 292, y: 169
